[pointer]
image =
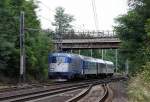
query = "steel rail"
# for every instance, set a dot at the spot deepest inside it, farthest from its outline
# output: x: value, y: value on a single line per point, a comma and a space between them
x: 32, y: 85
x: 81, y: 95
x: 105, y: 95
x: 48, y: 93
x: 85, y: 92
x: 46, y: 90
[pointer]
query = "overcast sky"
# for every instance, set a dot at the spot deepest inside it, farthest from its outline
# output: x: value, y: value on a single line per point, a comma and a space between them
x: 82, y: 11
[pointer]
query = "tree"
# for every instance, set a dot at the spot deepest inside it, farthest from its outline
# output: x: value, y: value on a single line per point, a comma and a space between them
x: 132, y: 32
x: 8, y: 36
x: 37, y: 44
x: 62, y: 20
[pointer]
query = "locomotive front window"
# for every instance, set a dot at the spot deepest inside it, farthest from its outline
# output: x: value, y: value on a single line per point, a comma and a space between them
x: 61, y: 60
x: 53, y: 59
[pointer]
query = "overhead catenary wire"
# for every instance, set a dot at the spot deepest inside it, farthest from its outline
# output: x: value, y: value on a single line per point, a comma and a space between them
x: 47, y: 7
x: 95, y: 15
x: 78, y: 27
x: 74, y: 25
x: 38, y: 30
x: 17, y: 17
x: 28, y: 28
x: 45, y: 18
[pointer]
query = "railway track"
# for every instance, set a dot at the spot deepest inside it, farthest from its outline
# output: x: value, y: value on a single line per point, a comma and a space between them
x: 33, y: 85
x: 22, y: 86
x: 105, y: 96
x: 55, y: 90
x: 19, y: 87
x: 106, y: 93
x: 43, y: 93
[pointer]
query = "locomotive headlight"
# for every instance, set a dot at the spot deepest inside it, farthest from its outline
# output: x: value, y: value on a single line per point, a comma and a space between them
x: 51, y: 69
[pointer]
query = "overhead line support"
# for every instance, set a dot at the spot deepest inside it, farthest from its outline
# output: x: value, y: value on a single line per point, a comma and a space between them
x: 22, y: 48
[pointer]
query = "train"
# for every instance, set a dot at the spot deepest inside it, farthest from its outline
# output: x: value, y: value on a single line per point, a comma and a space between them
x: 72, y: 66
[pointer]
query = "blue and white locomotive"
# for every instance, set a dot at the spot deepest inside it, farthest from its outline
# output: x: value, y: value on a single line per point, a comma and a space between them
x: 69, y: 66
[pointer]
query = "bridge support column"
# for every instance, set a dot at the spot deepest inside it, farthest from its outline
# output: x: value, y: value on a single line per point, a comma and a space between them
x: 71, y: 50
x: 66, y: 51
x: 102, y: 54
x: 127, y: 67
x: 91, y: 52
x: 79, y: 51
x: 116, y: 60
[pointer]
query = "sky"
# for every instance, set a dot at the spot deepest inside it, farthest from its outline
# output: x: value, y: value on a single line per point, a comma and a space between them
x: 107, y: 11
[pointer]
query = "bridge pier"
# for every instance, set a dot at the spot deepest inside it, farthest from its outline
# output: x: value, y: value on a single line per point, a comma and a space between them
x: 102, y: 54
x: 71, y: 50
x: 79, y: 51
x: 127, y: 67
x: 91, y: 52
x: 116, y: 60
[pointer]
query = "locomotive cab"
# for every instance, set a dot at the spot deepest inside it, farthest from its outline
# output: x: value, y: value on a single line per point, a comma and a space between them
x: 59, y: 66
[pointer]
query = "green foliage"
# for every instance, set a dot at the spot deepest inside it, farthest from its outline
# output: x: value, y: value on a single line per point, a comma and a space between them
x: 62, y: 20
x: 133, y: 30
x: 146, y: 72
x: 7, y: 36
x: 147, y: 28
x: 37, y: 54
x: 139, y: 89
x: 37, y: 44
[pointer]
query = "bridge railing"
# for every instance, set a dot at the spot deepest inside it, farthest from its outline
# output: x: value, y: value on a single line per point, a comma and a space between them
x: 85, y: 35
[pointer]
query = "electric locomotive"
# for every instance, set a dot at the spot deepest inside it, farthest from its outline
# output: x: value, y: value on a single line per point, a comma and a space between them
x: 63, y: 65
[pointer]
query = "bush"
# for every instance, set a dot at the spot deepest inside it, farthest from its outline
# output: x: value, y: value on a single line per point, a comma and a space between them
x: 139, y: 89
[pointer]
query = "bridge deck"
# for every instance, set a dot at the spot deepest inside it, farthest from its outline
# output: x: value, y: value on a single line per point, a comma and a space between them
x: 96, y: 40
x: 96, y: 43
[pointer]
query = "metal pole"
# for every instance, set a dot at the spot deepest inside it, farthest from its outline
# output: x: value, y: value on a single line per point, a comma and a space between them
x: 116, y: 60
x: 59, y: 41
x: 71, y: 50
x: 22, y: 48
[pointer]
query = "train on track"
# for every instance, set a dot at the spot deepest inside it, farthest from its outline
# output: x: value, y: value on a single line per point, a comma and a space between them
x: 71, y: 66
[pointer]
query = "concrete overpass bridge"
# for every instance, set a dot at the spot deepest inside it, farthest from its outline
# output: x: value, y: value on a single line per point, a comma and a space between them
x: 88, y: 40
